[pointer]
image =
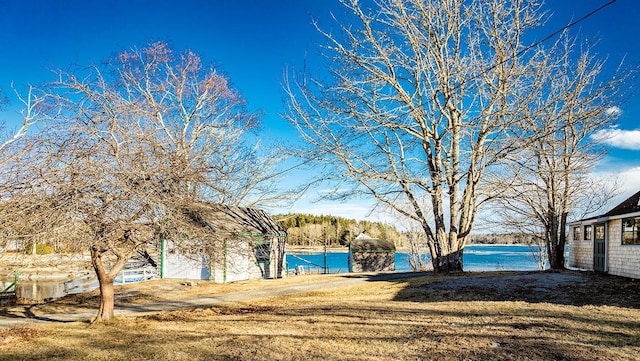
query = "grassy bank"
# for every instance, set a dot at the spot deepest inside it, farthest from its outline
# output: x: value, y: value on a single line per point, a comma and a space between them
x: 474, y: 316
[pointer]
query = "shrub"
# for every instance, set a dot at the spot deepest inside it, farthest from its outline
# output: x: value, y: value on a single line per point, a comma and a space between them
x: 44, y: 249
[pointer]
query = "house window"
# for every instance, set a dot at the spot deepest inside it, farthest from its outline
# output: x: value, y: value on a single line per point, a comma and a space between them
x: 576, y: 234
x: 598, y: 231
x: 263, y: 251
x: 587, y: 233
x: 631, y: 230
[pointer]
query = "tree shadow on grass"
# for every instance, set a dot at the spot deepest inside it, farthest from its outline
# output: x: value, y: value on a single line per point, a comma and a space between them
x: 557, y: 287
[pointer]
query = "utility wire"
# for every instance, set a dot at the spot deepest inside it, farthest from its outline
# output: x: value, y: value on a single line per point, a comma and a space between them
x: 537, y: 43
x: 593, y: 12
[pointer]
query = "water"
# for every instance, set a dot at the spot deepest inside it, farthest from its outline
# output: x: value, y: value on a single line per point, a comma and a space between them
x: 476, y: 258
x: 43, y: 290
x: 498, y: 258
x: 46, y: 290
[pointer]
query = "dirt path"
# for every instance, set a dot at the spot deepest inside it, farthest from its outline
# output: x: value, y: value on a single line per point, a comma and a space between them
x: 25, y: 315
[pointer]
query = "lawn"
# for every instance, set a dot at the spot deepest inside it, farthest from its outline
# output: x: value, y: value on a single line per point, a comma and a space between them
x: 488, y: 316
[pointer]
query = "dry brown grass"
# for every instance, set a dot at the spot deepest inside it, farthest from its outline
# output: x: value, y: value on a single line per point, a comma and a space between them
x: 163, y: 290
x: 408, y: 319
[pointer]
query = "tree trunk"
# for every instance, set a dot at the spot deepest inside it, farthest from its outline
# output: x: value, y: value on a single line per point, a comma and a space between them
x: 105, y: 280
x: 556, y: 240
x: 107, y: 298
x: 451, y: 262
x: 556, y: 259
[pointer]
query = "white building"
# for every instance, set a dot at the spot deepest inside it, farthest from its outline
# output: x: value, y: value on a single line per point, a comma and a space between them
x: 247, y: 244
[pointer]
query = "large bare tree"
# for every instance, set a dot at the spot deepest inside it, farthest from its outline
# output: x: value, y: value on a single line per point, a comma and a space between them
x: 424, y: 97
x: 137, y: 146
x: 550, y: 178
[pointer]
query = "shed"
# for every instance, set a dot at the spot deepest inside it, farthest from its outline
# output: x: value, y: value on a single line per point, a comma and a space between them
x: 609, y: 242
x: 245, y: 244
x: 368, y: 254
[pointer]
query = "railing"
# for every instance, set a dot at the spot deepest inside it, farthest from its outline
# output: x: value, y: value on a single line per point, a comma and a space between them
x: 9, y: 293
x: 132, y: 275
x: 300, y: 269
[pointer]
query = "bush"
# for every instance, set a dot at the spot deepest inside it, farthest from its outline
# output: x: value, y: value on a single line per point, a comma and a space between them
x: 44, y: 249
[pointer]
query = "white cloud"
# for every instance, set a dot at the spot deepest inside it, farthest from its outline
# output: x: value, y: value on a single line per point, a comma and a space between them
x: 614, y: 111
x: 630, y: 180
x: 618, y: 138
x: 626, y: 177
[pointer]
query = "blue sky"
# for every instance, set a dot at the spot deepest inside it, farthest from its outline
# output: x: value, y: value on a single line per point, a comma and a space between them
x: 253, y: 42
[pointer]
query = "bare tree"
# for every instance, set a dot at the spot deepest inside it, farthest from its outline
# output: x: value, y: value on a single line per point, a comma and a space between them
x: 425, y: 98
x: 33, y: 111
x: 138, y: 146
x: 539, y: 253
x: 550, y: 179
x: 417, y: 241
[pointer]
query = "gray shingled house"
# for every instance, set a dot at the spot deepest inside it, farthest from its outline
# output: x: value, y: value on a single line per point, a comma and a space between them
x: 368, y: 254
x: 610, y: 242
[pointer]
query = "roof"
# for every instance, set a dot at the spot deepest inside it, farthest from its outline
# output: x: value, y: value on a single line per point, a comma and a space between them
x: 237, y: 220
x: 372, y: 244
x: 364, y: 236
x: 630, y: 205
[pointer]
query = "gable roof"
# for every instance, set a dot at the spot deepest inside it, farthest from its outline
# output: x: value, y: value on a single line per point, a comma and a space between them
x: 237, y: 220
x: 630, y: 205
x: 372, y: 244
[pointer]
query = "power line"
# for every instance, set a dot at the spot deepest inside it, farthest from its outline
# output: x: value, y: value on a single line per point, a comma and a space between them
x: 537, y: 43
x: 571, y: 24
x: 588, y: 15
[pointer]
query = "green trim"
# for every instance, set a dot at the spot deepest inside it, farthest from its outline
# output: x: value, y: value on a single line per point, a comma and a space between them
x: 224, y: 262
x: 15, y: 282
x: 162, y: 255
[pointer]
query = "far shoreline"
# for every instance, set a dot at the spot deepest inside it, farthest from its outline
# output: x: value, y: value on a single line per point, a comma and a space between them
x: 344, y: 249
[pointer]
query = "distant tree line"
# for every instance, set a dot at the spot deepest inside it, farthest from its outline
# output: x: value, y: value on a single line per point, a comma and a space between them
x: 314, y: 230
x: 505, y: 238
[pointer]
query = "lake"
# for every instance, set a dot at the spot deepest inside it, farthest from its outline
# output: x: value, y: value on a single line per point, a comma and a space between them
x: 476, y: 258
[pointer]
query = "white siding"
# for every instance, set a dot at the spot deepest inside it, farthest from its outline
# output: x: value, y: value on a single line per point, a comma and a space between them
x: 236, y: 262
x: 176, y: 265
x: 622, y: 260
x: 231, y: 261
